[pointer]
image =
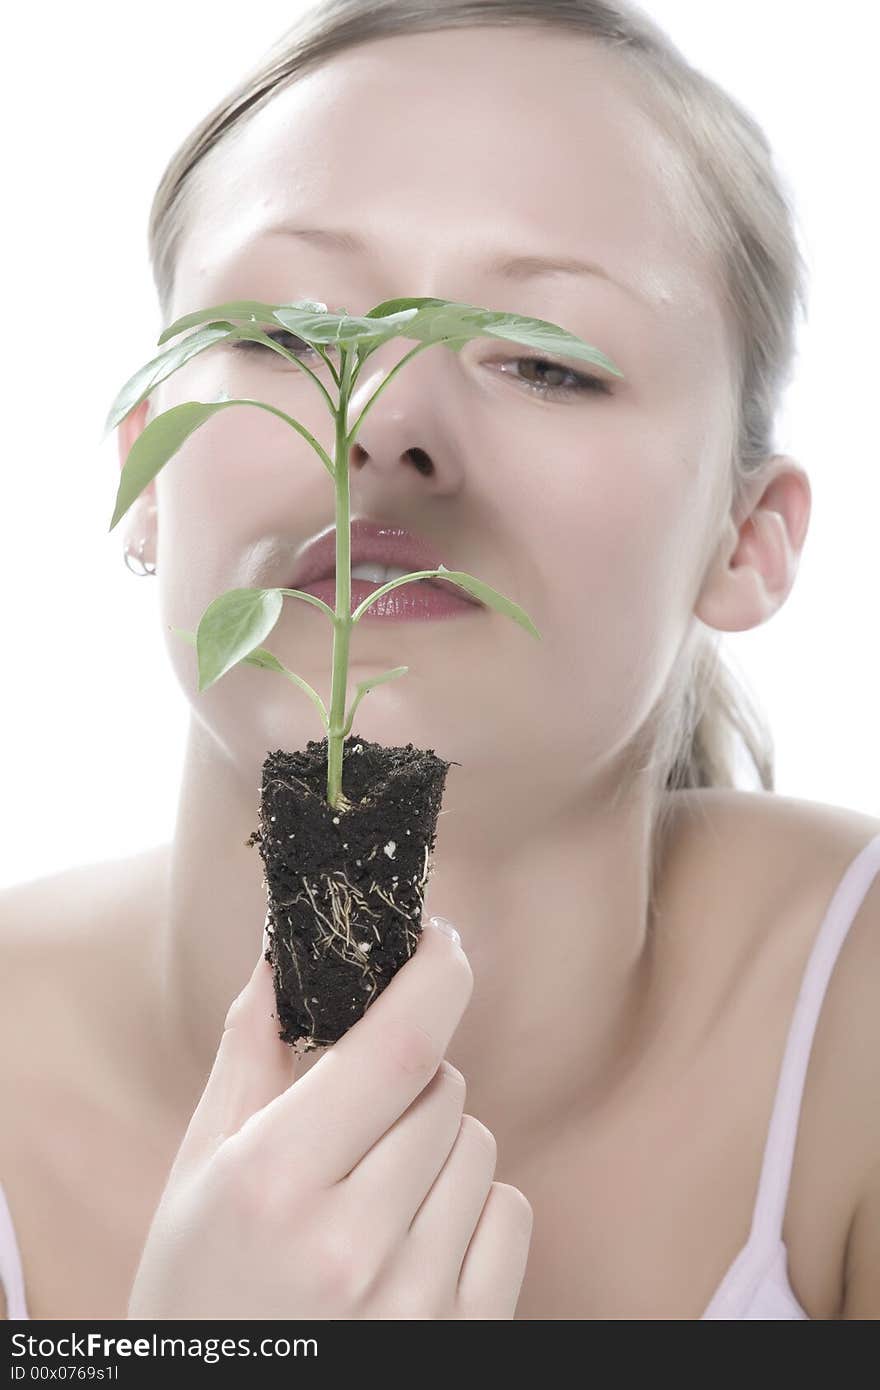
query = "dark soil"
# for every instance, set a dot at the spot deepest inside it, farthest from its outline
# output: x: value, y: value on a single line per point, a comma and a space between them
x: 344, y: 888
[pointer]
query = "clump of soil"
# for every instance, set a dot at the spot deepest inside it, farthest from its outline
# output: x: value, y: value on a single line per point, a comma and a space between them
x: 344, y: 887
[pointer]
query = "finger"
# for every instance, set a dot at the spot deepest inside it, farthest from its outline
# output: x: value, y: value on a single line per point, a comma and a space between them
x: 385, y: 1190
x: 365, y: 1081
x: 444, y: 1224
x: 495, y: 1264
x: 251, y: 1068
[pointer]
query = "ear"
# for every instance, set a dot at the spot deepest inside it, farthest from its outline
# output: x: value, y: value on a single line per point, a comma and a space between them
x: 757, y: 561
x: 128, y: 430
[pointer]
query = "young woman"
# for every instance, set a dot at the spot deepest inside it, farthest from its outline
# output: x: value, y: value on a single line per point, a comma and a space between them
x: 604, y: 1108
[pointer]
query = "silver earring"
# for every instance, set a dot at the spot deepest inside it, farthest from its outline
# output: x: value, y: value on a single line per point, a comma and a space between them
x: 135, y: 559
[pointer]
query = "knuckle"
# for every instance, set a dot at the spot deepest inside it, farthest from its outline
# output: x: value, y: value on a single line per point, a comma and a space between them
x: 409, y: 1303
x: 475, y: 1132
x: 411, y: 1050
x: 262, y: 1193
x: 235, y: 1014
x: 341, y: 1273
x: 241, y: 1181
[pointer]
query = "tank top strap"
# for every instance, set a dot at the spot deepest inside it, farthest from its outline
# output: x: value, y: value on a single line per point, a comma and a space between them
x: 769, y: 1212
x: 11, y: 1273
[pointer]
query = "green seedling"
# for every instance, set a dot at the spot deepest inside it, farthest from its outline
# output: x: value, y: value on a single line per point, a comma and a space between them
x: 234, y: 624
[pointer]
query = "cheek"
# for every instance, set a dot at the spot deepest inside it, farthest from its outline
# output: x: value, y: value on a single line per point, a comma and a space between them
x: 617, y: 579
x: 621, y: 532
x: 240, y: 476
x: 244, y: 465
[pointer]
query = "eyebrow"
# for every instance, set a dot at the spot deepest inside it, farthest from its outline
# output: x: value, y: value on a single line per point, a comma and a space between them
x: 503, y: 264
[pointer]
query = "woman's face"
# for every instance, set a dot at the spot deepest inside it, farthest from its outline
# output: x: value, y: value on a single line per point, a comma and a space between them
x: 595, y: 512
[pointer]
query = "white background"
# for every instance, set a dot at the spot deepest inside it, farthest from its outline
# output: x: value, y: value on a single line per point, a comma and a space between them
x: 95, y: 99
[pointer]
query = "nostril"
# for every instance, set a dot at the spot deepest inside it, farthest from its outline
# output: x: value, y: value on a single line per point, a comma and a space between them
x: 421, y: 461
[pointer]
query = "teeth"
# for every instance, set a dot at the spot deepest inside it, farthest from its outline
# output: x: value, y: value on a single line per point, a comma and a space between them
x: 378, y: 574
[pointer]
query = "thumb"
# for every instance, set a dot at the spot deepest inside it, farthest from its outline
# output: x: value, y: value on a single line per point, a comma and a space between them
x: 251, y: 1068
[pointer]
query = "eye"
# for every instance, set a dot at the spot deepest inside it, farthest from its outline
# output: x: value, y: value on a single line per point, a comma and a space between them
x: 577, y: 383
x: 297, y: 346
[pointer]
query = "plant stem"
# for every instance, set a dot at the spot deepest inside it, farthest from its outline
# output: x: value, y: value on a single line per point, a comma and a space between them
x: 343, y: 624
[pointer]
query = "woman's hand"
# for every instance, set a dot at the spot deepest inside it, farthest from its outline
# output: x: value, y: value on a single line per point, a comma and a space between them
x: 359, y: 1190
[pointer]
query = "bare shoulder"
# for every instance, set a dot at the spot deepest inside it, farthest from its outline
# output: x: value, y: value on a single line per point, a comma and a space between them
x: 795, y: 851
x: 52, y: 931
x: 54, y: 909
x: 66, y: 895
x: 737, y: 829
x: 770, y: 863
x: 66, y: 1027
x: 792, y: 852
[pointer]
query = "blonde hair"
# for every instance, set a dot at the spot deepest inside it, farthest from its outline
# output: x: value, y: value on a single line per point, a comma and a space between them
x: 743, y: 222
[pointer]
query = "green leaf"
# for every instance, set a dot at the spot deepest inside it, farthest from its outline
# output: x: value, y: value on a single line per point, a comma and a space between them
x: 231, y: 627
x: 346, y: 329
x: 308, y: 318
x: 156, y: 444
x: 261, y: 657
x: 365, y: 686
x: 385, y: 589
x: 425, y: 318
x: 162, y: 437
x: 491, y: 597
x: 484, y: 592
x: 253, y: 309
x: 146, y: 378
x: 313, y: 599
x: 139, y: 386
x: 455, y: 323
x: 258, y: 657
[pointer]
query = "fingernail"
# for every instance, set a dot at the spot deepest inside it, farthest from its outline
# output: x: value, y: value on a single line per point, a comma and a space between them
x: 442, y: 924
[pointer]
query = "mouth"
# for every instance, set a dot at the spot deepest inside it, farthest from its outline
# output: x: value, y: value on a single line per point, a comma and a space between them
x: 378, y: 554
x: 419, y: 601
x: 373, y: 581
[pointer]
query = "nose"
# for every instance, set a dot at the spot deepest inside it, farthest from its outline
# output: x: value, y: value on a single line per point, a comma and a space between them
x: 415, y: 455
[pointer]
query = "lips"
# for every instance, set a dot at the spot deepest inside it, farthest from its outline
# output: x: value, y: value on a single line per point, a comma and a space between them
x: 374, y: 543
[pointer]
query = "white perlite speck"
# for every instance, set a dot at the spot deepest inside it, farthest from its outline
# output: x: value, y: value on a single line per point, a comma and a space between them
x: 390, y: 848
x: 335, y: 820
